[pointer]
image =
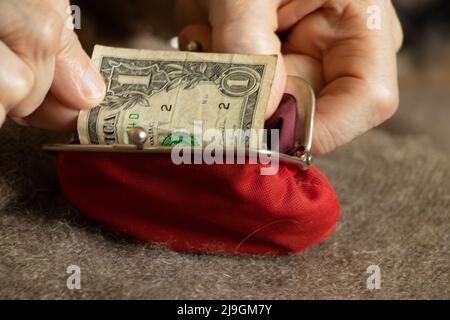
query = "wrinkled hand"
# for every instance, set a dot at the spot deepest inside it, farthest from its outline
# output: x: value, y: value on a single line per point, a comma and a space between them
x: 45, y: 76
x: 352, y: 68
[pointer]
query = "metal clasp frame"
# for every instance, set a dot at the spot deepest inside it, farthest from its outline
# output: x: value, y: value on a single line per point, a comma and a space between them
x: 306, y: 109
x: 302, y: 158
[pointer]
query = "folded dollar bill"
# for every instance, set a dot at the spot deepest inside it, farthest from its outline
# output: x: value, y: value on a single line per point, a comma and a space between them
x: 175, y: 95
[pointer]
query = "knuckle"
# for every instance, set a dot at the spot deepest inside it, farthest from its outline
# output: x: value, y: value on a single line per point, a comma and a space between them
x: 19, y: 87
x: 325, y: 141
x: 47, y: 34
x: 386, y: 102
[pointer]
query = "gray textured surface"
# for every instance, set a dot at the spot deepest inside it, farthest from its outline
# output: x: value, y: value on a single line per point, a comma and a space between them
x: 394, y: 189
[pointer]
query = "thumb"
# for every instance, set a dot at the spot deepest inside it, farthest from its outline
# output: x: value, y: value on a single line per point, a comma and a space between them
x: 249, y: 27
x: 77, y: 83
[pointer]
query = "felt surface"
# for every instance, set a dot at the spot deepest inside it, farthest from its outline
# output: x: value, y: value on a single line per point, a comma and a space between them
x: 394, y: 189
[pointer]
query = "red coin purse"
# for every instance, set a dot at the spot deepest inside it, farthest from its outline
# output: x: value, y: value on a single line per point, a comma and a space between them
x: 219, y: 208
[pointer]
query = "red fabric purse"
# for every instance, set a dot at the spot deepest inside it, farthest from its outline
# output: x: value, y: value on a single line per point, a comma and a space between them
x: 221, y: 208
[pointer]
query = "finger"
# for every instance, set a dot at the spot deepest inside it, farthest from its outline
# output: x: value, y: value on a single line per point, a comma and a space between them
x: 53, y: 115
x: 397, y: 28
x: 2, y: 115
x: 360, y: 72
x: 249, y: 27
x: 77, y: 82
x: 346, y: 108
x: 32, y: 31
x: 16, y: 80
x: 292, y: 11
x: 307, y: 68
x: 190, y: 12
x: 200, y: 33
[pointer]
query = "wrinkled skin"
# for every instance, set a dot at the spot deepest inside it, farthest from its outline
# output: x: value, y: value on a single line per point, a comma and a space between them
x: 46, y: 77
x: 352, y: 68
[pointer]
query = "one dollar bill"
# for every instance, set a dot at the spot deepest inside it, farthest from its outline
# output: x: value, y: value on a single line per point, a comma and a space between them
x: 165, y: 92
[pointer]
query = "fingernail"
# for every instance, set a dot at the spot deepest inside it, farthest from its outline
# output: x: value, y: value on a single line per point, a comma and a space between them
x: 93, y: 85
x: 20, y: 121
